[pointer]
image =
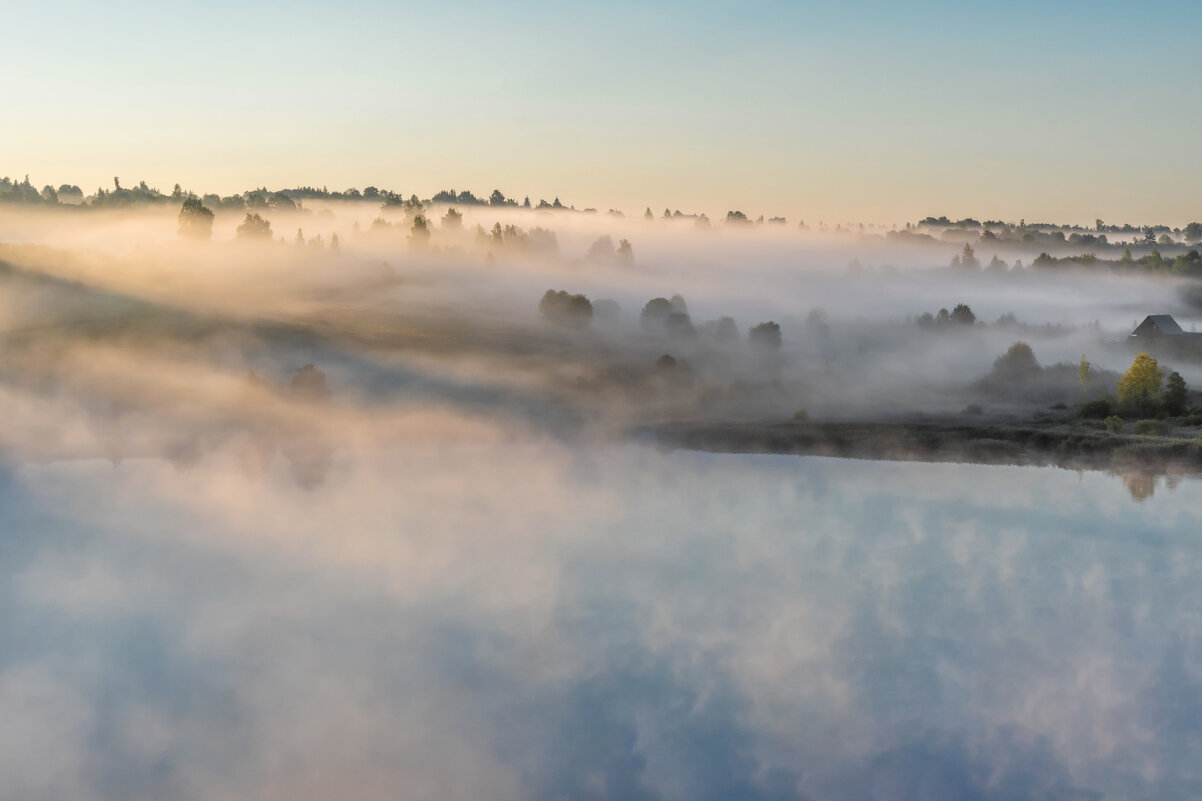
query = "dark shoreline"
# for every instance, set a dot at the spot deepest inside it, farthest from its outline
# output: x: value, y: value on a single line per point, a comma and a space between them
x: 1060, y: 444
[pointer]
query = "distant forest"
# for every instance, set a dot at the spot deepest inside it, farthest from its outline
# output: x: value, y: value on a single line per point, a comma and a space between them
x: 1145, y: 248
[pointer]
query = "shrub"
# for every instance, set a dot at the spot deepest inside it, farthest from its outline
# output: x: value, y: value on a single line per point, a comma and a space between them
x: 561, y: 308
x: 1098, y: 409
x: 1114, y: 424
x: 1150, y: 428
x: 765, y: 335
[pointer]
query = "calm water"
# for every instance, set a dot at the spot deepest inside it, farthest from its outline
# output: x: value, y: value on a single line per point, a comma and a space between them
x: 514, y: 619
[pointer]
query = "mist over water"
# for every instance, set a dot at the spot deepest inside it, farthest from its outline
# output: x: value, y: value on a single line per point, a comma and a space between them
x: 519, y: 618
x: 282, y: 521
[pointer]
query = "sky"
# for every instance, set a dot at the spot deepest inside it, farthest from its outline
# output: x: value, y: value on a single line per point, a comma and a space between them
x: 859, y: 111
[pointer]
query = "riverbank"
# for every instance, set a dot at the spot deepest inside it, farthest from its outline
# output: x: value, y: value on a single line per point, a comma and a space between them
x: 1066, y: 444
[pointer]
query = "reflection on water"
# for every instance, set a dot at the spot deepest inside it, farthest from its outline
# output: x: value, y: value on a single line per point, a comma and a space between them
x: 516, y: 619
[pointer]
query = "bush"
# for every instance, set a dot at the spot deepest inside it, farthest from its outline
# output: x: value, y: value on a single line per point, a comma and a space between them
x: 1150, y: 428
x: 765, y: 335
x: 1098, y: 409
x: 801, y: 415
x: 1017, y: 364
x: 1114, y: 424
x: 573, y: 311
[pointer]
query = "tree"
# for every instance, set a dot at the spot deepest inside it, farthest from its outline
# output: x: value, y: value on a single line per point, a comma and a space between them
x: 1083, y: 372
x: 766, y: 335
x: 195, y: 220
x: 655, y: 314
x: 1193, y: 232
x: 1140, y: 385
x: 573, y: 311
x: 309, y: 383
x: 968, y: 258
x: 647, y: 215
x: 1017, y: 363
x: 737, y: 218
x: 254, y: 227
x: 962, y: 314
x: 601, y: 250
x: 452, y: 220
x: 420, y: 233
x: 496, y: 198
x: 625, y: 252
x: 1176, y: 397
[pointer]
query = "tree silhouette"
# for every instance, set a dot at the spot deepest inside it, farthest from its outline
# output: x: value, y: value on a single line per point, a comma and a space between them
x: 195, y: 220
x: 625, y: 252
x: 1176, y: 397
x: 963, y: 315
x: 765, y: 335
x: 561, y: 308
x: 420, y: 233
x: 1016, y: 364
x: 254, y: 228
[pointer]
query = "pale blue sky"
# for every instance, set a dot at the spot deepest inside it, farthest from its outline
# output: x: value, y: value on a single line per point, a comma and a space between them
x: 870, y: 110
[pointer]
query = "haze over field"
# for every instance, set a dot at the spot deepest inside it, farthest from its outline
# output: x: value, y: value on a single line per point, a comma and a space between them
x: 118, y: 317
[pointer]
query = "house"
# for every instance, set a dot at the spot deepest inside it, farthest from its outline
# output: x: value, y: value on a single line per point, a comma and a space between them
x: 1155, y: 326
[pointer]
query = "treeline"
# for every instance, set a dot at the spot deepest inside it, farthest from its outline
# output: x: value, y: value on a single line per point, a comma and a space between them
x: 1072, y: 234
x: 660, y: 317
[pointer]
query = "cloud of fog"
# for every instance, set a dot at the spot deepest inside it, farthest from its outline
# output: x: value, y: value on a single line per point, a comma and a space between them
x: 441, y: 567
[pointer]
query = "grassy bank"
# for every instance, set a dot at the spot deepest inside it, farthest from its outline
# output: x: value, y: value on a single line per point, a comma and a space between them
x: 1059, y: 444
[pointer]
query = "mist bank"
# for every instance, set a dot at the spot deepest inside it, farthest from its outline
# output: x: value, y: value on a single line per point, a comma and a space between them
x: 466, y: 611
x: 131, y: 336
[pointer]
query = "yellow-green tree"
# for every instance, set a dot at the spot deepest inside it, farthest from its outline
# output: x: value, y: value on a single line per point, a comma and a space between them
x: 1140, y: 385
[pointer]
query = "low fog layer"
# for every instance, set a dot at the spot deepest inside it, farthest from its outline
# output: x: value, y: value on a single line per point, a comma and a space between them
x: 133, y: 336
x: 465, y: 614
x: 354, y: 511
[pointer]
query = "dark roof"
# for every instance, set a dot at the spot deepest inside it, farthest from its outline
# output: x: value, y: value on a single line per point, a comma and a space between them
x: 1158, y: 324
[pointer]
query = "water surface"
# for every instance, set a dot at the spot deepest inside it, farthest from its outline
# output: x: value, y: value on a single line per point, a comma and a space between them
x: 515, y: 618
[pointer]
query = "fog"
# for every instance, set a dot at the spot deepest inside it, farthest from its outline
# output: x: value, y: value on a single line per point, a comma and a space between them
x: 284, y: 520
x: 467, y: 614
x: 393, y: 320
